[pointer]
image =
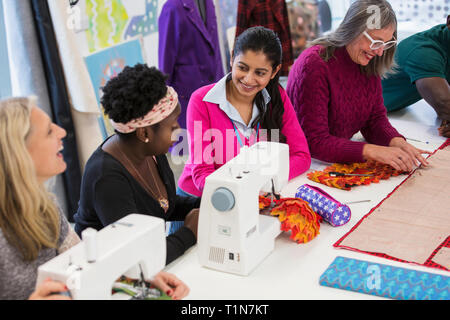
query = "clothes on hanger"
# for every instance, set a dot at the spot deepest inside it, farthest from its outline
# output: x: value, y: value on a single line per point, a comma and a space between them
x: 271, y: 14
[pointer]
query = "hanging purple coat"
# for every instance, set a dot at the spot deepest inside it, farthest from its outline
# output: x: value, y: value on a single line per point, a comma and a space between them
x: 188, y: 50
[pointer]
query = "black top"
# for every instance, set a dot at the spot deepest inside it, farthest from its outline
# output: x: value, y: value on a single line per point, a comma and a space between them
x: 201, y: 6
x: 109, y: 193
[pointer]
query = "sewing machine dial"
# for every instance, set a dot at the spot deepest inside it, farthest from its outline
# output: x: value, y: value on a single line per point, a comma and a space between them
x: 223, y: 200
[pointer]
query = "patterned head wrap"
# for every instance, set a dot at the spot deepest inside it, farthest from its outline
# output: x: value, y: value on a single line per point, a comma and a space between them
x: 159, y: 112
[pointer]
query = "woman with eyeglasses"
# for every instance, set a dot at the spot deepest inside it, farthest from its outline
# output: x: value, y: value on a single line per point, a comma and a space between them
x: 335, y: 87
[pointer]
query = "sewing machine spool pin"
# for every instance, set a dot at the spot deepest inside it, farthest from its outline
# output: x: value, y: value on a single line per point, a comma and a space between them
x: 89, y: 237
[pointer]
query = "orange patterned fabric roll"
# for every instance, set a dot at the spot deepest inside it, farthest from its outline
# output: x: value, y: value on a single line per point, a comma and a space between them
x: 298, y: 217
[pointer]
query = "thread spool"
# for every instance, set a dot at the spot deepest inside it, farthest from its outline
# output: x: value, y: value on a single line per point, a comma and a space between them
x: 89, y: 237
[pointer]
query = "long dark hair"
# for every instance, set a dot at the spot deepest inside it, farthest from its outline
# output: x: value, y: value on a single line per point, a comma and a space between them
x: 260, y: 39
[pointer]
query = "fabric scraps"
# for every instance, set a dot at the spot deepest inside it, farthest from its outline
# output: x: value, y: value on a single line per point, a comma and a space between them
x: 264, y: 202
x: 377, y: 171
x: 297, y: 216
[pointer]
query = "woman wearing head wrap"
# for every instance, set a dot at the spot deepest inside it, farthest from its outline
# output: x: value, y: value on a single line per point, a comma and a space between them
x: 129, y: 172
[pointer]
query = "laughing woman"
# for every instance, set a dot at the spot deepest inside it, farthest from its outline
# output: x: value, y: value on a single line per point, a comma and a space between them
x: 32, y: 228
x: 335, y: 87
x: 245, y: 103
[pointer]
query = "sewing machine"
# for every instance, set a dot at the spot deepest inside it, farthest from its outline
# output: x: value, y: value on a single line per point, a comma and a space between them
x: 134, y: 246
x: 232, y: 235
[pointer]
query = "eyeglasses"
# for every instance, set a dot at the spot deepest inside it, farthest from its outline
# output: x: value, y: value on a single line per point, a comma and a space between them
x: 377, y: 44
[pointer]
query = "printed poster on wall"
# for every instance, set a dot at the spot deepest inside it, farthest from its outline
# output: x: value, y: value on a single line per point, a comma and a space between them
x: 112, y: 21
x: 107, y: 64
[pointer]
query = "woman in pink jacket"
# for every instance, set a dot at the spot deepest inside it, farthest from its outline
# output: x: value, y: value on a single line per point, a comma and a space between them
x: 244, y: 107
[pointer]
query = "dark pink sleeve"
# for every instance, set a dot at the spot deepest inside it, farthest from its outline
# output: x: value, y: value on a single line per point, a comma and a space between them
x: 198, y: 126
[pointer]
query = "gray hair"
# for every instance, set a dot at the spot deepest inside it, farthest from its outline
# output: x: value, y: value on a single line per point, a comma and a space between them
x: 363, y: 15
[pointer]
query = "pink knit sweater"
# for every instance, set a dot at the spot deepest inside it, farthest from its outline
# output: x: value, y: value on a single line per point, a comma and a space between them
x: 208, y: 151
x: 333, y: 101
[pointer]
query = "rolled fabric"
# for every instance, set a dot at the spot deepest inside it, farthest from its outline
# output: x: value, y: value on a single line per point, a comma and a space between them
x: 331, y: 210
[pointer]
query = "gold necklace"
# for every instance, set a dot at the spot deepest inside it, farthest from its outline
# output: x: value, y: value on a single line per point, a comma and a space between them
x: 163, y: 202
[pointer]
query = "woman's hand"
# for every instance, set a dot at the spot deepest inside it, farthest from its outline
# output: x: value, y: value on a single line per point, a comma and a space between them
x: 191, y: 221
x: 396, y: 157
x: 413, y: 152
x: 171, y: 285
x: 444, y: 129
x: 49, y: 290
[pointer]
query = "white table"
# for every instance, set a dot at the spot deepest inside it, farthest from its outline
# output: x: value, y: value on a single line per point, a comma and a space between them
x: 292, y: 270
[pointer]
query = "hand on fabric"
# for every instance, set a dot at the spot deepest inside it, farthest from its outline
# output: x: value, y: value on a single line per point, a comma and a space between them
x: 191, y: 221
x: 444, y: 129
x: 49, y: 290
x: 171, y: 285
x: 394, y: 156
x: 413, y: 152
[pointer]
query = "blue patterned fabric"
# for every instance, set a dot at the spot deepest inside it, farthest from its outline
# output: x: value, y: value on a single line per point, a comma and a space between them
x: 331, y: 210
x: 385, y: 281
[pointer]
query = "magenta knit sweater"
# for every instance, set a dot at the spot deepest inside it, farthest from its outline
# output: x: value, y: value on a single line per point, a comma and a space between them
x: 333, y: 101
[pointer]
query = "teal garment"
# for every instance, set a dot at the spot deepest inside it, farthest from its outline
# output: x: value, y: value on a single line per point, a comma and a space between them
x: 423, y: 55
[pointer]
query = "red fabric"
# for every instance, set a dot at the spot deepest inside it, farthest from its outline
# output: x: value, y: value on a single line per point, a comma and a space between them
x: 271, y: 14
x: 428, y: 263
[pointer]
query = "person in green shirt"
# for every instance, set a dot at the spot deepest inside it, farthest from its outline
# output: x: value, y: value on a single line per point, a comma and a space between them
x: 423, y: 73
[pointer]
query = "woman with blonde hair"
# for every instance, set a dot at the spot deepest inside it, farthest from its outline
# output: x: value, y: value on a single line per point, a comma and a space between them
x: 335, y: 87
x: 33, y: 230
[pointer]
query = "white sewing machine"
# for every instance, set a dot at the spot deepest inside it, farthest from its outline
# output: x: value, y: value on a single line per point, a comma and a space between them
x: 134, y: 246
x: 232, y: 235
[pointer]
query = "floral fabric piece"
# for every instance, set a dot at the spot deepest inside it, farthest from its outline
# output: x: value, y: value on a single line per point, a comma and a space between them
x: 377, y: 171
x: 297, y: 216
